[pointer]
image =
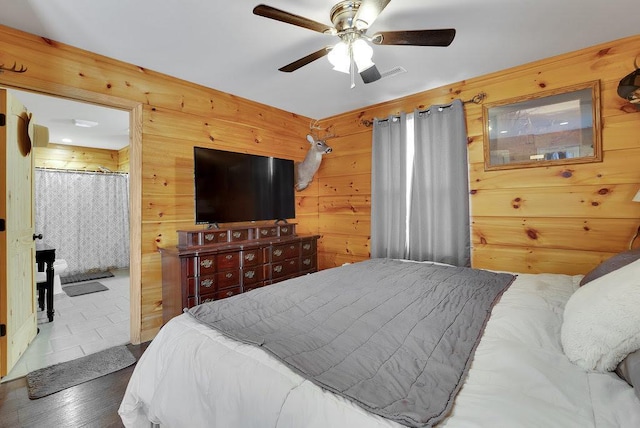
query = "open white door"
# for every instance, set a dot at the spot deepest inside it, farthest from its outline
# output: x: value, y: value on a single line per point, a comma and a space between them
x: 18, y: 321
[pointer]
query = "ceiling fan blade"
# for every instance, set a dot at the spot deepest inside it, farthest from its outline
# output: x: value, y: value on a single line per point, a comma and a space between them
x: 304, y: 60
x: 290, y: 18
x: 370, y: 75
x: 368, y: 12
x: 442, y: 37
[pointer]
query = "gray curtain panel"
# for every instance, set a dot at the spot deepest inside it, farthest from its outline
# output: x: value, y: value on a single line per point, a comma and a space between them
x: 389, y: 188
x: 420, y: 204
x: 439, y: 217
x: 85, y: 217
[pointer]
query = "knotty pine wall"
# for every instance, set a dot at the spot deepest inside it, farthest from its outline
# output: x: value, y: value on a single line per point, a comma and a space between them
x: 61, y: 156
x: 168, y: 118
x: 562, y: 219
x: 123, y: 159
x: 559, y: 224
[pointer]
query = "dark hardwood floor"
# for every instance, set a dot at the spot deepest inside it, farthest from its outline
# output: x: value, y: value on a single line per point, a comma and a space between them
x: 90, y: 404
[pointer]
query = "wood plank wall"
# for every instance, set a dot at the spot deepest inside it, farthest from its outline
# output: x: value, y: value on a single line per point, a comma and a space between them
x: 123, y: 159
x: 61, y: 156
x: 577, y: 220
x: 562, y: 219
x: 170, y: 117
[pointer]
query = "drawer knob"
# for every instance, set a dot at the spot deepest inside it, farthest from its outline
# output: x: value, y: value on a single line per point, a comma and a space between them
x: 292, y: 262
x: 207, y: 300
x: 249, y: 256
x: 206, y: 263
x: 264, y: 231
x: 229, y: 293
x: 228, y: 275
x: 229, y: 256
x: 293, y: 247
x: 207, y: 283
x: 208, y: 237
x: 236, y: 234
x: 306, y: 262
x: 277, y: 268
x: 307, y: 246
x: 284, y: 229
x: 222, y: 235
x: 277, y: 252
x: 250, y: 274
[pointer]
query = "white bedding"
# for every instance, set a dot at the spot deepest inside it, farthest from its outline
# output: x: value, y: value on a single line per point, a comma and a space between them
x: 190, y: 375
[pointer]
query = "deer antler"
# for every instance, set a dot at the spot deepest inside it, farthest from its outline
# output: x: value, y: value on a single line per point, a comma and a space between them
x: 315, y: 128
x: 13, y: 69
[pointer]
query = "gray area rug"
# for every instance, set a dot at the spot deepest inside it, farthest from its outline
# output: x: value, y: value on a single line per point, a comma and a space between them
x: 88, y: 276
x: 84, y: 288
x: 58, y: 377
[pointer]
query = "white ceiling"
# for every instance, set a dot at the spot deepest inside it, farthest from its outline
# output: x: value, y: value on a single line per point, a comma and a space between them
x: 111, y: 131
x: 224, y: 46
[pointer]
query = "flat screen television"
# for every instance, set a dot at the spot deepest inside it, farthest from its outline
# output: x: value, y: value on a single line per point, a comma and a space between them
x: 236, y: 187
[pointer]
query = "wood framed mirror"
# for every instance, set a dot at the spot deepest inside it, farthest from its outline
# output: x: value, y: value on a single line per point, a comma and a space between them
x: 555, y: 127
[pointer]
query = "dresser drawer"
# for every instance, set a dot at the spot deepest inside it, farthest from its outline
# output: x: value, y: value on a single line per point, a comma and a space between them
x: 286, y: 230
x: 285, y: 251
x: 308, y: 263
x: 199, y: 238
x: 239, y: 235
x: 201, y: 285
x: 200, y: 265
x: 188, y: 239
x: 252, y: 274
x: 308, y: 247
x: 251, y: 257
x: 205, y: 298
x: 222, y: 236
x: 266, y: 232
x: 226, y: 279
x: 285, y: 268
x: 208, y: 238
x: 226, y: 261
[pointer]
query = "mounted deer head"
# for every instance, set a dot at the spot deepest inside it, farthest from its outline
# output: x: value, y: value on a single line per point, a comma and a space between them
x: 13, y: 69
x: 306, y: 169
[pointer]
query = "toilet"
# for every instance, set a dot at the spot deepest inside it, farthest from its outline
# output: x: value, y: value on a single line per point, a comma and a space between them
x: 59, y: 267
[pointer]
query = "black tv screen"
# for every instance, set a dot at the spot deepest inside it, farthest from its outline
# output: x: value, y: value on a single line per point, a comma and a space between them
x: 235, y: 187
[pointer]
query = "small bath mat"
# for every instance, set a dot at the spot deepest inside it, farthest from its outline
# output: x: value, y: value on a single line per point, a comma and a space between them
x: 87, y: 276
x: 84, y: 288
x: 52, y: 379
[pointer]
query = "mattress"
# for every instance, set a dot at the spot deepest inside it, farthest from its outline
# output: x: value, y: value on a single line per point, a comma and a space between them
x: 191, y: 375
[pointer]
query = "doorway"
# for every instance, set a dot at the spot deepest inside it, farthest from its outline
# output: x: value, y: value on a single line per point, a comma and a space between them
x: 83, y: 316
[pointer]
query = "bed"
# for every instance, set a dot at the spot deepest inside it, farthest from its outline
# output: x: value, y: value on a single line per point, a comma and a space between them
x: 211, y: 370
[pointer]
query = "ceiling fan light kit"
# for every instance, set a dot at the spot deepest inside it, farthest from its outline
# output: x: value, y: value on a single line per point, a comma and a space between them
x: 343, y: 53
x: 351, y: 20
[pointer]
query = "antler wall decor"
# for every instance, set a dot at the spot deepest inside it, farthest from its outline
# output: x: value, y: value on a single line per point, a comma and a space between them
x: 13, y: 69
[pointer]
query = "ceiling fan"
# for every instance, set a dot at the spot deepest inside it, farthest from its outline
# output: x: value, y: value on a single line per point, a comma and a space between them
x: 351, y: 19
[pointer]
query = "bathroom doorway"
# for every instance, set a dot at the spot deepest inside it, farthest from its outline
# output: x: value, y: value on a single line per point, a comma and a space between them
x: 90, y: 322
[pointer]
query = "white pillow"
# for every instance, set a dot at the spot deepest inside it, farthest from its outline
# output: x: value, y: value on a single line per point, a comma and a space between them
x: 601, y: 323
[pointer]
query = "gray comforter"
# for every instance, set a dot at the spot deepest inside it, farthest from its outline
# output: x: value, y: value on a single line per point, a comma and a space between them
x: 397, y: 338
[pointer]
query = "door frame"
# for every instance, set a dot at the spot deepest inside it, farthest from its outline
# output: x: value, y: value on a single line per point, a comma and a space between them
x: 135, y: 110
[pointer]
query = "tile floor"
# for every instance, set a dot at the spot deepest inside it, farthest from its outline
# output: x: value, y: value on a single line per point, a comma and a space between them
x: 82, y: 325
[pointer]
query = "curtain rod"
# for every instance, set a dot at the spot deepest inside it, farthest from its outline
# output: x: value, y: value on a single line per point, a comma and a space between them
x: 476, y: 99
x: 82, y: 171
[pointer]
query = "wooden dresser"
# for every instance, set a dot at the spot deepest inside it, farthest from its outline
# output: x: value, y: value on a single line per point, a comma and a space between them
x: 214, y: 264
